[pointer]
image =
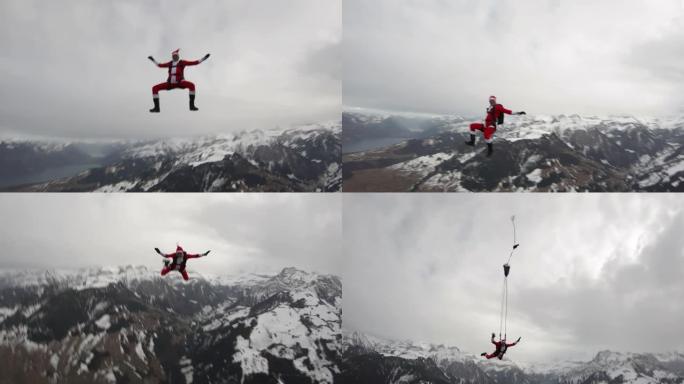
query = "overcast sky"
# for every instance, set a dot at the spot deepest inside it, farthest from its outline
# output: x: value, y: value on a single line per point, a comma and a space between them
x: 245, y: 232
x: 542, y: 56
x: 79, y: 69
x: 593, y: 272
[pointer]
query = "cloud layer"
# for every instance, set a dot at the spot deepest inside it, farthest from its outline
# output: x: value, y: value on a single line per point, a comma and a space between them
x: 79, y: 68
x: 542, y: 56
x: 246, y: 233
x: 593, y: 271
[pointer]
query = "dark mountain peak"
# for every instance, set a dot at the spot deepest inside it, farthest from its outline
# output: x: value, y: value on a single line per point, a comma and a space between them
x: 127, y: 324
x: 369, y: 359
x: 305, y: 158
x: 533, y: 153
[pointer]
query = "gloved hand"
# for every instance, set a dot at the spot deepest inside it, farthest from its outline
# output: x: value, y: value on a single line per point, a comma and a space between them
x: 151, y: 58
x: 521, y: 113
x: 493, y: 334
x: 206, y: 56
x: 158, y: 251
x: 206, y: 253
x: 518, y: 339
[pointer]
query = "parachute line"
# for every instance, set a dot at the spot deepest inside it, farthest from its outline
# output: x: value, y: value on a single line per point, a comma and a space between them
x: 503, y: 322
x: 515, y: 241
x: 503, y: 300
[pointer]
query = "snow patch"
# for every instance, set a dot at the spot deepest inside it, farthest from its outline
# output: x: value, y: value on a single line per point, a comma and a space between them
x: 103, y: 322
x: 249, y: 359
x: 187, y: 369
x: 535, y: 176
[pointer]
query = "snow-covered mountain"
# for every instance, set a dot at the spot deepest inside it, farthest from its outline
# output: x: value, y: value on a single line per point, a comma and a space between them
x: 306, y: 158
x: 127, y: 324
x: 535, y: 153
x: 368, y: 359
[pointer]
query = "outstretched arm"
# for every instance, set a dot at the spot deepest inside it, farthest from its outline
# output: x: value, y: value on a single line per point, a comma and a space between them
x: 503, y: 110
x: 196, y: 255
x: 162, y: 254
x: 195, y: 62
x: 514, y: 343
x: 509, y: 112
x: 160, y: 65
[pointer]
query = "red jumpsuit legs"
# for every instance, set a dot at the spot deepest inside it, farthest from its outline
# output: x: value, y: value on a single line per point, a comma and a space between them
x: 168, y: 86
x: 499, y: 350
x: 496, y: 353
x: 183, y: 272
x: 178, y: 263
x: 487, y: 130
x: 489, y: 126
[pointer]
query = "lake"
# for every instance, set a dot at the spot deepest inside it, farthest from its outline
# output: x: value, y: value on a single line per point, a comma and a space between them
x: 47, y: 175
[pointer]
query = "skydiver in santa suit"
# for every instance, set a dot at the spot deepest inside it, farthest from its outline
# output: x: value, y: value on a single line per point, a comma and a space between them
x: 494, y: 112
x: 178, y: 261
x: 500, y: 348
x: 175, y: 79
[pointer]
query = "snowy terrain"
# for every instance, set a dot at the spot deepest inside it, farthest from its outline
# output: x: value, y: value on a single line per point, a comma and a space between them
x: 127, y: 324
x: 306, y: 158
x: 532, y: 153
x: 370, y: 359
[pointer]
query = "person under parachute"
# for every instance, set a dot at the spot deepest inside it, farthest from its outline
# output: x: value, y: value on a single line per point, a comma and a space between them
x: 178, y: 261
x: 175, y: 78
x: 501, y: 347
x: 495, y: 114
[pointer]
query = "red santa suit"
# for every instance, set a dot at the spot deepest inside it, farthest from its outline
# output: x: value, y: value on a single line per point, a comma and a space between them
x: 489, y: 126
x: 179, y: 259
x: 500, y: 348
x: 176, y: 78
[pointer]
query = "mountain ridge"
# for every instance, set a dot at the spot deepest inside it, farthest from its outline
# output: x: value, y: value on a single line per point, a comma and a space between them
x: 306, y: 158
x: 531, y: 153
x: 129, y: 324
x: 369, y: 359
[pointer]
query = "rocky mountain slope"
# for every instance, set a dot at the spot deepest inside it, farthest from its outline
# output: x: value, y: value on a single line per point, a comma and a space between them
x: 532, y: 153
x: 368, y: 359
x: 306, y: 158
x: 126, y: 324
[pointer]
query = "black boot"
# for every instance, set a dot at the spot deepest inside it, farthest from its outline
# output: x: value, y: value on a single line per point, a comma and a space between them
x: 156, y: 105
x: 490, y: 149
x: 472, y: 140
x: 192, y: 103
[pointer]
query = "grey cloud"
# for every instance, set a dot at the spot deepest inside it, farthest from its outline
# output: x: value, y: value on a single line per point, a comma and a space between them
x: 661, y: 60
x: 593, y: 271
x: 246, y: 233
x: 79, y: 69
x: 546, y: 57
x: 325, y: 61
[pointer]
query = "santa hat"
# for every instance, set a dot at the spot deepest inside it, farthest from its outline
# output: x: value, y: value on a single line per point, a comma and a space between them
x: 179, y: 248
x: 175, y: 52
x: 492, y: 97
